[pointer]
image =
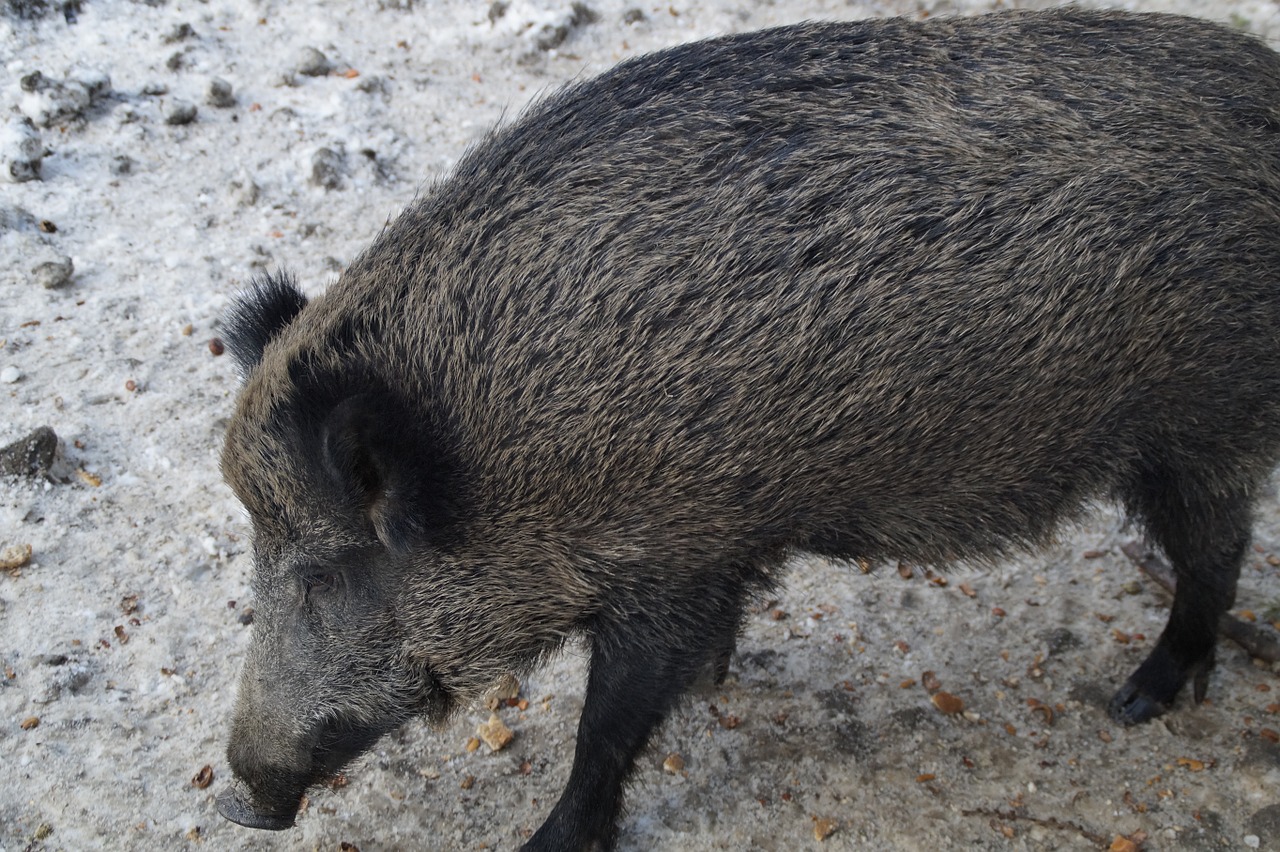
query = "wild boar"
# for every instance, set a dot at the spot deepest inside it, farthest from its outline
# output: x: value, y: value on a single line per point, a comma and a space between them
x: 886, y: 289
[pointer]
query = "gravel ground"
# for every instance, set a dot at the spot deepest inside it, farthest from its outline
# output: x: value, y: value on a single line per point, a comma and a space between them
x: 178, y: 148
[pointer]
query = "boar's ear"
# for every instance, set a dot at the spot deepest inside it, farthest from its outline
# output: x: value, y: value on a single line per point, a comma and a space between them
x: 259, y: 314
x: 368, y: 452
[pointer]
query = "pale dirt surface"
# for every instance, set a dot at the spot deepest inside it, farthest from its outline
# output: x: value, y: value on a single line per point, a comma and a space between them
x: 824, y: 721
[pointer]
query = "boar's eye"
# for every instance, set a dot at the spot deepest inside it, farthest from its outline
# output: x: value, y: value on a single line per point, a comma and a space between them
x: 321, y: 582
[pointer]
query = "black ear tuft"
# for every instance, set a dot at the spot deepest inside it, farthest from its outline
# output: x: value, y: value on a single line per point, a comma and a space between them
x: 259, y: 314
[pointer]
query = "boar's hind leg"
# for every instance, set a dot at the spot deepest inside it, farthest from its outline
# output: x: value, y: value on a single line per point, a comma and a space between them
x: 1205, y: 537
x: 640, y: 666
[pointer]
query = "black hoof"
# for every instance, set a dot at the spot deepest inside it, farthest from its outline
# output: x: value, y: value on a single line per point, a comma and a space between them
x: 1131, y: 706
x: 1152, y: 689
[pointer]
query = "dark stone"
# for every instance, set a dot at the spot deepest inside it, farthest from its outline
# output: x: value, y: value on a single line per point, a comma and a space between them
x: 30, y: 456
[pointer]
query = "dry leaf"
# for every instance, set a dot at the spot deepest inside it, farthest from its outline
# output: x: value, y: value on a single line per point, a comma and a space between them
x: 947, y: 703
x: 203, y: 778
x: 823, y: 828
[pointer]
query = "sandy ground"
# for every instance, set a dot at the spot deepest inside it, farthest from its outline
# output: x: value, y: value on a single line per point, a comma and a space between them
x: 121, y: 638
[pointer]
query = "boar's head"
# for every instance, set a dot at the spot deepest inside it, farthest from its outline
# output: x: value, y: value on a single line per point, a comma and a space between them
x: 322, y: 457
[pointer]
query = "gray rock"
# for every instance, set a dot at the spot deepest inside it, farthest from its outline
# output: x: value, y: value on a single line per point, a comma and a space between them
x: 178, y: 112
x: 326, y: 169
x: 219, y: 94
x: 180, y: 32
x: 54, y: 273
x: 244, y: 190
x: 47, y: 102
x: 21, y: 150
x: 552, y: 35
x: 313, y: 63
x: 30, y: 456
x: 61, y: 674
x: 30, y: 10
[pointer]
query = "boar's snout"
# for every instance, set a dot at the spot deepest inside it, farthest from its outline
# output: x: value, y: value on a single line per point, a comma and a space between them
x: 236, y: 806
x: 272, y: 764
x: 275, y: 758
x: 262, y: 795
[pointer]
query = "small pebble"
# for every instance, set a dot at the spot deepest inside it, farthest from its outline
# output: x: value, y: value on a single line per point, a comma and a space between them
x: 179, y: 112
x: 219, y: 94
x: 10, y: 375
x: 495, y: 734
x: 14, y: 557
x: 32, y: 455
x: 181, y: 32
x: 313, y: 63
x: 326, y: 169
x: 243, y: 190
x: 554, y: 33
x: 54, y: 273
x: 21, y: 150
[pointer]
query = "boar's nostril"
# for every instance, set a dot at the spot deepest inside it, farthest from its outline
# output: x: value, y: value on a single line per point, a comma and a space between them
x: 235, y: 806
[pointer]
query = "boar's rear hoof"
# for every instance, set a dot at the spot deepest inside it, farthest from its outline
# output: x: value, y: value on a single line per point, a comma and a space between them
x: 1150, y: 690
x: 233, y: 805
x: 1131, y: 705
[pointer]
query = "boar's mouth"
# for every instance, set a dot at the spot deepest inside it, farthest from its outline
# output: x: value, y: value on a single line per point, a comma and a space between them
x: 269, y: 798
x: 234, y: 805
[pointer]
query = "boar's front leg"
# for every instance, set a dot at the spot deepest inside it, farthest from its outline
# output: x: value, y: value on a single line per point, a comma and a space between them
x: 641, y: 663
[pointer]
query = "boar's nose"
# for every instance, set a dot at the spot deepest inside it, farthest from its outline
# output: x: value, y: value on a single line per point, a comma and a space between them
x: 234, y: 805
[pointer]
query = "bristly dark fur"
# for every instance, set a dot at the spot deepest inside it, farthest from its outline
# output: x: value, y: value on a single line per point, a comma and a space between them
x: 258, y: 315
x: 883, y: 290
